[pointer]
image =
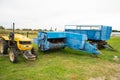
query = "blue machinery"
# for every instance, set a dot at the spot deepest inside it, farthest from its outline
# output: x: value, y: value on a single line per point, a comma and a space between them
x: 97, y: 34
x: 88, y: 40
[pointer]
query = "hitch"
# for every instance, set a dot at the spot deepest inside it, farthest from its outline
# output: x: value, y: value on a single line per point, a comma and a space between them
x: 29, y: 56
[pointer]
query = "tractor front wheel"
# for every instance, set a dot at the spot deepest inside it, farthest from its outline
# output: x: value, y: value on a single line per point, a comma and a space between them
x: 13, y: 55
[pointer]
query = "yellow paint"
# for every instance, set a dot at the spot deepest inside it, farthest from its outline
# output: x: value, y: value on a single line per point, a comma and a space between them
x: 19, y: 37
x: 5, y: 37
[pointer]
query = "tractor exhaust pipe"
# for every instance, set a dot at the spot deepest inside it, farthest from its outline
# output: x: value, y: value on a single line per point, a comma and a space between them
x: 13, y: 27
x: 11, y: 36
x: 27, y: 34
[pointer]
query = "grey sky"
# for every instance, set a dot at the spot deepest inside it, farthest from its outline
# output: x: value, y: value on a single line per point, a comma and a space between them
x: 57, y: 13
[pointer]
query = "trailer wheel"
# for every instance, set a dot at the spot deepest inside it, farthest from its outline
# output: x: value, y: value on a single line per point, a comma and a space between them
x: 34, y: 52
x: 3, y: 46
x: 13, y: 55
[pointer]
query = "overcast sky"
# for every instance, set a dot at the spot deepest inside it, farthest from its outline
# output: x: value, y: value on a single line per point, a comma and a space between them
x: 41, y: 14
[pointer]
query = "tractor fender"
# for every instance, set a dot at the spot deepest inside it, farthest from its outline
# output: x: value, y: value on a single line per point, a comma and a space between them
x: 5, y: 37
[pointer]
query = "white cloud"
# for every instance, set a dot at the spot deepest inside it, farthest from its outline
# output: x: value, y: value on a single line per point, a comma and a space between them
x: 57, y: 13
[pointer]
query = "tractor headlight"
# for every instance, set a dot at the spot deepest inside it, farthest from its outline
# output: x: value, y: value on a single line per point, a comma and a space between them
x: 25, y: 46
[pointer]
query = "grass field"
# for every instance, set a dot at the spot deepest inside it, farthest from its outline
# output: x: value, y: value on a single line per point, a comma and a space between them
x: 65, y: 64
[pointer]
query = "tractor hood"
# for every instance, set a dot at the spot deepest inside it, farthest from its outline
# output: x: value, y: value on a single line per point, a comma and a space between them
x: 18, y: 37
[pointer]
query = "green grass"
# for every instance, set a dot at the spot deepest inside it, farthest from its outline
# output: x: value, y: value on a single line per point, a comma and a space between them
x: 64, y: 64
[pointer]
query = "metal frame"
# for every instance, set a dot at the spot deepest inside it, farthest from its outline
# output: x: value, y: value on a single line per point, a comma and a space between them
x: 79, y: 26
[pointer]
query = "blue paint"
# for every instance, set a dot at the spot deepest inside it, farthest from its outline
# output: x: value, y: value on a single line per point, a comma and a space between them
x: 54, y: 40
x: 93, y: 34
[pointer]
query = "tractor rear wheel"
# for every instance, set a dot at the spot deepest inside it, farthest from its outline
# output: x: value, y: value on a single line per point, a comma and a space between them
x: 3, y: 46
x: 34, y: 52
x: 13, y: 55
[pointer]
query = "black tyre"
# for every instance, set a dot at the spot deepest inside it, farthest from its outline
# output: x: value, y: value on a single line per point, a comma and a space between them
x: 3, y: 46
x: 34, y: 52
x: 13, y: 55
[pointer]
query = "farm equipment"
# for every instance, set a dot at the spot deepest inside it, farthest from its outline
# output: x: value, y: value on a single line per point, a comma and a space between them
x: 97, y: 34
x: 17, y: 44
x: 55, y: 40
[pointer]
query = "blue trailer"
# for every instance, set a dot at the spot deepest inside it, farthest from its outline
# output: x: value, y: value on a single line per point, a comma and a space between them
x: 55, y: 40
x: 97, y: 34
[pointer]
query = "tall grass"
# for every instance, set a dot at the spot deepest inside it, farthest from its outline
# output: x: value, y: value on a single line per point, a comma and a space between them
x: 18, y: 31
x: 31, y: 34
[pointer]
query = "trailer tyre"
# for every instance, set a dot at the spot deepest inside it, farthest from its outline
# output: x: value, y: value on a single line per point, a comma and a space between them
x: 13, y: 55
x: 3, y: 46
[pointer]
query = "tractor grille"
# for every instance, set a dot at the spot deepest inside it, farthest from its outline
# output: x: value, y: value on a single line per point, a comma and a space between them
x: 25, y: 42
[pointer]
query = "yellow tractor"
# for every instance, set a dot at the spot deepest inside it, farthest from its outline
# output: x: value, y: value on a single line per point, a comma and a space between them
x: 17, y: 44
